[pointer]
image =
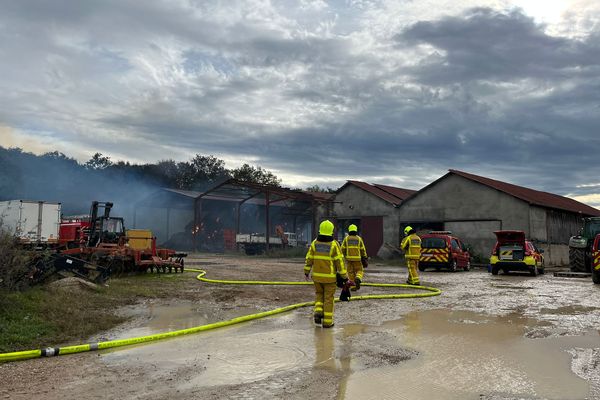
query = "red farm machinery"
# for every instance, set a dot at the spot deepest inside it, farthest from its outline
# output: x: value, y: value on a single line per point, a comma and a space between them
x: 102, y: 239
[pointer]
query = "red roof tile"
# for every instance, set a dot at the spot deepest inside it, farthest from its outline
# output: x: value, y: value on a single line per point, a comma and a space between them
x: 390, y: 194
x: 531, y: 196
x: 396, y: 191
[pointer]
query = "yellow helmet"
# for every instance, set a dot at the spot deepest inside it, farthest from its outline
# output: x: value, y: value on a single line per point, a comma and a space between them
x: 352, y: 228
x: 326, y: 228
x: 407, y: 229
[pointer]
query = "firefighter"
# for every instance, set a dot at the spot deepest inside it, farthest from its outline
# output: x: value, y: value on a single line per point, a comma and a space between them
x: 324, y: 257
x: 355, y: 253
x: 411, y: 244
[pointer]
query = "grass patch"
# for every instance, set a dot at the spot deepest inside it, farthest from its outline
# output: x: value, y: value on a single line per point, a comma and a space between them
x: 45, y: 316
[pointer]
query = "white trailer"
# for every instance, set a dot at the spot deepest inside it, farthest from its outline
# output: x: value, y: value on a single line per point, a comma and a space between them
x: 256, y: 243
x: 33, y: 222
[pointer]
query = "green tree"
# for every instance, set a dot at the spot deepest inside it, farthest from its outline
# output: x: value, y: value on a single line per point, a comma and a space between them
x: 208, y: 168
x: 98, y: 161
x: 252, y: 174
x: 319, y: 189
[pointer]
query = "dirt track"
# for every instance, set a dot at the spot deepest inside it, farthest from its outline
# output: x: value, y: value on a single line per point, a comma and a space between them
x: 485, y: 337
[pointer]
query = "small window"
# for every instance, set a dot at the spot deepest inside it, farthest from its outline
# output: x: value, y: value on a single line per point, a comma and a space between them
x: 455, y: 245
x: 433, y: 243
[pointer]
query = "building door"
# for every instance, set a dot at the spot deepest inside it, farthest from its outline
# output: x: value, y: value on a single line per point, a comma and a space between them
x: 371, y: 230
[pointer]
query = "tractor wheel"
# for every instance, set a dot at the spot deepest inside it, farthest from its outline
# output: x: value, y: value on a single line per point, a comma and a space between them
x: 468, y: 266
x: 577, y: 259
x: 596, y: 276
x: 116, y: 265
x: 421, y: 268
x: 495, y: 270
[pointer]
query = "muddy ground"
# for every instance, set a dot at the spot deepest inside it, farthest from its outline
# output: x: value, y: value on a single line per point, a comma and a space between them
x: 486, y: 337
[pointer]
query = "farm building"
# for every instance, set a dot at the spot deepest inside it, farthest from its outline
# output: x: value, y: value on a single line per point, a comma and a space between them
x: 209, y: 220
x: 373, y: 208
x: 473, y: 207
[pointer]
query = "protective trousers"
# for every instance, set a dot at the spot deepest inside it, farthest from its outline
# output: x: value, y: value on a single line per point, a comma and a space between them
x: 413, y: 275
x: 324, y: 293
x: 355, y: 270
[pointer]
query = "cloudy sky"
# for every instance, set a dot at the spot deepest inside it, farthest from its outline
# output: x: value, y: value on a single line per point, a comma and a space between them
x: 318, y: 92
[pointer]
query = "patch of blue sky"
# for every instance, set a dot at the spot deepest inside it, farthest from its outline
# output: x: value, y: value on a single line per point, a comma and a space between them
x: 196, y: 61
x: 109, y: 61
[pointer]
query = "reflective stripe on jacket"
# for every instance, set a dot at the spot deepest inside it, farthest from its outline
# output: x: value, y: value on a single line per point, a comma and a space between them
x: 325, y: 259
x: 353, y: 248
x: 411, y: 245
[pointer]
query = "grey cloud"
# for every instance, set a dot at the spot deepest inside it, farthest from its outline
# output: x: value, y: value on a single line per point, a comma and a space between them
x: 486, y: 44
x: 498, y: 96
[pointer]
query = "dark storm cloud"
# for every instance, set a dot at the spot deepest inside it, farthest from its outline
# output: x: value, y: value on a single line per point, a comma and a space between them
x: 485, y: 44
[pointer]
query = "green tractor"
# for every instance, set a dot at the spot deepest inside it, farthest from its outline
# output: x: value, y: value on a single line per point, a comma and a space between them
x: 580, y: 246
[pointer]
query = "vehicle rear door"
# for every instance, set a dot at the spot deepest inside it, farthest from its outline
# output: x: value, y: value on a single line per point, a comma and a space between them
x: 464, y: 254
x: 456, y: 252
x: 536, y: 255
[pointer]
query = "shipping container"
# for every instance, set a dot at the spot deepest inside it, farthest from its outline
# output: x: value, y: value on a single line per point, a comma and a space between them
x: 33, y: 222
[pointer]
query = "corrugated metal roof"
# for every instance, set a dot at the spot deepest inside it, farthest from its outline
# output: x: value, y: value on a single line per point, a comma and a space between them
x: 531, y: 196
x: 390, y: 194
x: 233, y: 190
x: 319, y: 195
x: 188, y: 193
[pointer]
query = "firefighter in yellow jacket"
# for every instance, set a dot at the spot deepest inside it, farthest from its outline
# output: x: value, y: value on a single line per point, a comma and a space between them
x: 324, y: 258
x: 355, y: 253
x: 411, y: 244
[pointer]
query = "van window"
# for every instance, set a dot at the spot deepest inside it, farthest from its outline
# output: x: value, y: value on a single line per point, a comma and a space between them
x: 455, y: 245
x: 433, y: 243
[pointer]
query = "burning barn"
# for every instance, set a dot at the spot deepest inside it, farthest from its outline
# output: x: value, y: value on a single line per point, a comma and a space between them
x: 210, y: 220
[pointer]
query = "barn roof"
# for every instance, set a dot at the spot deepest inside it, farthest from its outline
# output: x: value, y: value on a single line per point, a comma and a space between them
x: 298, y: 202
x: 535, y: 197
x: 390, y: 194
x: 396, y: 191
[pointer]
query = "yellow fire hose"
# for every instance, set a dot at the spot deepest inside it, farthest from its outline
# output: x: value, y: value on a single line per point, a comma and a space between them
x: 56, y: 351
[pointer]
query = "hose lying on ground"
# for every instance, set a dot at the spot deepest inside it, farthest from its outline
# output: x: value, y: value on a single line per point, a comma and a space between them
x: 56, y: 351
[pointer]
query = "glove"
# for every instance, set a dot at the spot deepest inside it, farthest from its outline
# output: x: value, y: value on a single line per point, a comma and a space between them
x: 346, y: 294
x: 306, y: 278
x: 339, y: 281
x: 364, y: 261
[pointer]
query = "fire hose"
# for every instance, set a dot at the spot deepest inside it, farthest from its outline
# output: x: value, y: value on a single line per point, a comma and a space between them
x: 56, y: 351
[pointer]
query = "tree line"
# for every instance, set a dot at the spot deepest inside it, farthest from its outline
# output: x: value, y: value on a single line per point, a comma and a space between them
x: 186, y: 175
x: 54, y: 176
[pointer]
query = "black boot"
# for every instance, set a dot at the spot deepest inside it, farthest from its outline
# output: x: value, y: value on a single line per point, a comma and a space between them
x: 318, y: 318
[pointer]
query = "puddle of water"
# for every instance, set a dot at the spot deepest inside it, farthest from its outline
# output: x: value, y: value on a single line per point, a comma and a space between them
x: 463, y: 355
x: 247, y: 358
x: 163, y: 318
x: 233, y: 355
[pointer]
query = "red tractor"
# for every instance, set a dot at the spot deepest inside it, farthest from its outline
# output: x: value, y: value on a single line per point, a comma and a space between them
x: 103, y: 240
